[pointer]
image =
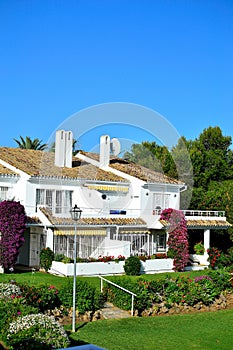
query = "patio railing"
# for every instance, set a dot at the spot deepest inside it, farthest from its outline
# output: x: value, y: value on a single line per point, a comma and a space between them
x: 205, y: 213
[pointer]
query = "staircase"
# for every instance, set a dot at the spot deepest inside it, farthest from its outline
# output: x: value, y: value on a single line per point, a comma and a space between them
x: 110, y: 311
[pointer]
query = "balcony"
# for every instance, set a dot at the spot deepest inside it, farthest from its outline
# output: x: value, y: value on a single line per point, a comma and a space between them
x: 205, y: 214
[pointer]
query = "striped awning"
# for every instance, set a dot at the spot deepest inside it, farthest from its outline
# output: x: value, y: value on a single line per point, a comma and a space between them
x: 134, y: 231
x: 96, y: 232
x: 108, y: 188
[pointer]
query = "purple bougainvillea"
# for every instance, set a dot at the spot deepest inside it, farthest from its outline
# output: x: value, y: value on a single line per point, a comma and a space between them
x: 178, y: 239
x: 12, y: 227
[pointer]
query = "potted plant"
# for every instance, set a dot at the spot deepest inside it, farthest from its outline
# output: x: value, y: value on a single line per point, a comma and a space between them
x: 199, y: 248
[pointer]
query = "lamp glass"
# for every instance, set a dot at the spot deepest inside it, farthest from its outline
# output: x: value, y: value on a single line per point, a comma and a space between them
x: 75, y: 213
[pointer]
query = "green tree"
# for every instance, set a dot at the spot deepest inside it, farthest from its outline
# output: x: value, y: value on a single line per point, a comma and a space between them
x: 28, y: 143
x: 211, y: 157
x: 152, y: 156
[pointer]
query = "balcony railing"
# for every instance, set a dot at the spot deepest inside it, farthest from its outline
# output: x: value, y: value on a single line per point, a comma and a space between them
x: 205, y: 213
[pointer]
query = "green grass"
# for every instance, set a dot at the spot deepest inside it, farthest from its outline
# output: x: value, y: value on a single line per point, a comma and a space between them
x: 38, y: 278
x: 201, y: 331
x: 42, y: 278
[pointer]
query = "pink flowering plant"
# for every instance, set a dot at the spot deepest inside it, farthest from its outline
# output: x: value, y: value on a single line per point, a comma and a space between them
x: 177, y: 240
x: 12, y: 226
x: 43, y: 297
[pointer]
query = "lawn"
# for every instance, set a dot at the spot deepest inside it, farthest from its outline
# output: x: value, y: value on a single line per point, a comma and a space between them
x: 41, y: 278
x: 203, y: 331
x: 210, y: 330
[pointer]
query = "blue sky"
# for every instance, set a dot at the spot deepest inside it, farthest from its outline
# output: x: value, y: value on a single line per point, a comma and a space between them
x: 58, y: 58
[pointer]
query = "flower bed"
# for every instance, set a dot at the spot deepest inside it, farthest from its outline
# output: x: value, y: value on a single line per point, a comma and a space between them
x: 109, y: 268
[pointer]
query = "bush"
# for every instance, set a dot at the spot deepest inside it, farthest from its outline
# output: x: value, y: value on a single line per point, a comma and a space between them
x: 10, y: 310
x: 221, y: 279
x: 43, y: 297
x: 59, y: 257
x: 46, y: 258
x: 199, y: 248
x: 36, y: 331
x: 12, y: 227
x: 9, y: 291
x: 132, y: 266
x: 87, y: 297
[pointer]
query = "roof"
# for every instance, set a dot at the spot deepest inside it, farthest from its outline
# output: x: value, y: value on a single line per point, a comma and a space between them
x: 135, y: 170
x: 199, y: 224
x: 89, y: 221
x: 40, y: 163
x: 6, y: 171
x: 33, y: 220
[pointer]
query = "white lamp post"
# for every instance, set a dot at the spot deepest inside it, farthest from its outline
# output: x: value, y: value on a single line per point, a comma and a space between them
x: 75, y: 214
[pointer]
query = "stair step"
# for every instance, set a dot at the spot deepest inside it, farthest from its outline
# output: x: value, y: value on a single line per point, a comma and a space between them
x: 111, y: 311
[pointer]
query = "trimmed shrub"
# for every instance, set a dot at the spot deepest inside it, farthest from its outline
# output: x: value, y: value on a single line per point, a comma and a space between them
x: 87, y: 297
x: 46, y: 258
x: 43, y: 297
x: 132, y: 266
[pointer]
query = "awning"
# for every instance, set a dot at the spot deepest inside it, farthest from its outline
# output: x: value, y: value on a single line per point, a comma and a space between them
x: 134, y: 231
x: 97, y: 232
x: 108, y: 188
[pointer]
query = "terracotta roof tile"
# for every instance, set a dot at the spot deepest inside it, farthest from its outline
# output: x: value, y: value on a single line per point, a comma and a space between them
x: 39, y: 163
x: 6, y: 171
x: 33, y: 220
x: 203, y: 223
x: 135, y: 170
x: 102, y: 221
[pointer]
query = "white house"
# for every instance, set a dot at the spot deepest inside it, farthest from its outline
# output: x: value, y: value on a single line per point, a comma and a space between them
x: 120, y: 201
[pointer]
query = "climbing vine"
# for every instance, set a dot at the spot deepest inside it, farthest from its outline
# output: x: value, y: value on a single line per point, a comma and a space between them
x: 177, y: 239
x: 12, y: 227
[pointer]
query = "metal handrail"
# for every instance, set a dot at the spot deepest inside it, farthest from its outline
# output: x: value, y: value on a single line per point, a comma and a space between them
x: 116, y: 285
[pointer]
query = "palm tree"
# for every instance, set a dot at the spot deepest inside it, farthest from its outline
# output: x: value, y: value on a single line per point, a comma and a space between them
x: 28, y: 143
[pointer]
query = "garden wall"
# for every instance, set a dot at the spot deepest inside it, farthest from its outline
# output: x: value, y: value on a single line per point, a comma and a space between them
x: 109, y: 268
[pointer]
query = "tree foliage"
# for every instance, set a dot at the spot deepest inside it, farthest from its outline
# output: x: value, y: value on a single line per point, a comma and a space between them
x: 211, y: 157
x: 152, y: 156
x: 28, y: 143
x: 208, y: 175
x: 12, y: 227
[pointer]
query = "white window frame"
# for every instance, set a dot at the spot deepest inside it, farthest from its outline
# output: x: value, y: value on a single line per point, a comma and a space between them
x: 59, y: 201
x: 4, y: 190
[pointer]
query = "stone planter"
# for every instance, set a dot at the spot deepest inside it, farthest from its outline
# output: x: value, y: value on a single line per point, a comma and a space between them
x: 202, y: 259
x: 109, y: 268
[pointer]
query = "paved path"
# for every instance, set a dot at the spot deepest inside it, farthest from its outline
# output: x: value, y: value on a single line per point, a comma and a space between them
x: 111, y: 311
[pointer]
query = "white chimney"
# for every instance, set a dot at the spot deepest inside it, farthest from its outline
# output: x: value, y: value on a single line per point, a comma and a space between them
x: 104, y: 150
x: 63, y: 148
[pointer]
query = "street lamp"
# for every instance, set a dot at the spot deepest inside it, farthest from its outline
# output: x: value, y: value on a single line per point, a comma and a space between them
x: 75, y: 213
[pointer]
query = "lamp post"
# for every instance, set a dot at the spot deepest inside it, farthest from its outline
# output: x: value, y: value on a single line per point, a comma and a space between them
x: 75, y: 215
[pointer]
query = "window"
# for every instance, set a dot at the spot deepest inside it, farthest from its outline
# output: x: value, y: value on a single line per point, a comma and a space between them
x: 3, y: 193
x: 58, y: 201
x: 161, y: 200
x: 161, y: 242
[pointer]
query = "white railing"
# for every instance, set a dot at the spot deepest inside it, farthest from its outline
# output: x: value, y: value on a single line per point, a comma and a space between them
x: 116, y: 285
x: 205, y: 213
